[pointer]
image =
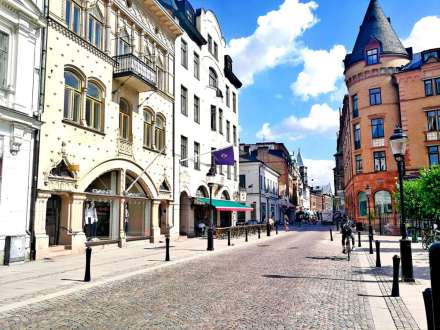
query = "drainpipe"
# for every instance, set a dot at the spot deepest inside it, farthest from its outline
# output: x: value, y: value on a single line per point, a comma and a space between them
x: 36, y: 151
x: 259, y: 190
x: 399, y: 109
x: 174, y: 145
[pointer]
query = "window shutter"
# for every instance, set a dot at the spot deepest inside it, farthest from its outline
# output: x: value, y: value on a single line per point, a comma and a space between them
x: 4, y: 49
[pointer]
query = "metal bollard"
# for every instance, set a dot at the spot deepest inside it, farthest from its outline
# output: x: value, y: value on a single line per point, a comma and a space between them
x: 167, y: 249
x: 359, y: 239
x: 370, y: 240
x: 246, y: 234
x: 229, y: 237
x: 259, y: 232
x: 395, y: 292
x: 268, y: 228
x: 276, y: 228
x: 87, y: 277
x: 378, y: 263
x: 427, y: 298
x: 331, y: 235
x: 434, y: 264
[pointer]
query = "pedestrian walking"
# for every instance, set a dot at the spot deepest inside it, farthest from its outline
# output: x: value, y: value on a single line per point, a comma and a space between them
x: 286, y: 222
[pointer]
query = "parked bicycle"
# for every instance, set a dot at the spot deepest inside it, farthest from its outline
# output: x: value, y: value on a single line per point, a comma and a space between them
x: 429, y: 237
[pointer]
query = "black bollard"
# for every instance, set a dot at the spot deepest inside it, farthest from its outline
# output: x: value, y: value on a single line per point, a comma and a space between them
x: 87, y: 277
x: 268, y: 228
x: 276, y: 229
x: 434, y: 264
x: 395, y: 292
x: 167, y: 249
x: 378, y: 263
x: 359, y: 239
x: 406, y: 260
x: 229, y: 237
x: 246, y: 234
x: 259, y: 232
x: 370, y: 240
x: 331, y: 235
x: 427, y: 298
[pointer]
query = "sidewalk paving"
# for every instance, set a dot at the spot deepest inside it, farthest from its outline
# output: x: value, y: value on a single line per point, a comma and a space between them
x: 23, y: 284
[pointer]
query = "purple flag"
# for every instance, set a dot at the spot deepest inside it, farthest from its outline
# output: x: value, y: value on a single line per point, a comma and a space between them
x: 224, y: 156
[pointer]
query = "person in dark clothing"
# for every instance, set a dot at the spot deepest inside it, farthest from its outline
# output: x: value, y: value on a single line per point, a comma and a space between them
x: 347, y: 232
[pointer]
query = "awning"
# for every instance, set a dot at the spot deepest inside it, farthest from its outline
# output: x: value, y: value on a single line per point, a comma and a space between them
x: 225, y: 205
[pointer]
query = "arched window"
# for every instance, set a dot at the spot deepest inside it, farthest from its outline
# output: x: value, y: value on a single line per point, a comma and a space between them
x: 124, y: 44
x: 213, y: 78
x: 94, y: 107
x: 202, y: 192
x: 148, y: 128
x: 363, y: 205
x: 124, y: 120
x: 95, y: 27
x: 72, y: 97
x: 382, y: 202
x: 159, y: 132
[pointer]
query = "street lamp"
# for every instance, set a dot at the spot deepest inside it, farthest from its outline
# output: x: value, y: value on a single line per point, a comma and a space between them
x: 210, y: 179
x: 398, y: 142
x: 370, y: 227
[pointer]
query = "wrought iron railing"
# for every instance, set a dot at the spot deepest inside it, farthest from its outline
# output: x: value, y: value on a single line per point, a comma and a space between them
x: 130, y: 64
x: 237, y: 231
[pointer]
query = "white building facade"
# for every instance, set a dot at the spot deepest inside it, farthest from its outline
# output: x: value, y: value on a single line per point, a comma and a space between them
x: 108, y: 114
x: 21, y: 27
x: 261, y: 185
x: 206, y: 110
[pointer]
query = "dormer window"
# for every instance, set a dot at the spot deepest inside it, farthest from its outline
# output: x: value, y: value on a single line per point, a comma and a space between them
x: 372, y: 56
x: 430, y: 54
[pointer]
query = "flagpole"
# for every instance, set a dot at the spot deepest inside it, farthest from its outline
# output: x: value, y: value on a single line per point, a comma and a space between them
x: 205, y: 153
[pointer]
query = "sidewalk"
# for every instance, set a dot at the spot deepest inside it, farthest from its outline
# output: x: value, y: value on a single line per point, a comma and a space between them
x: 408, y: 311
x: 36, y: 281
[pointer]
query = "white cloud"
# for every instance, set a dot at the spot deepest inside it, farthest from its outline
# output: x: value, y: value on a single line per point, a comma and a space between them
x: 425, y: 34
x: 274, y: 40
x: 279, y: 96
x: 321, y: 171
x: 322, y: 71
x: 322, y: 119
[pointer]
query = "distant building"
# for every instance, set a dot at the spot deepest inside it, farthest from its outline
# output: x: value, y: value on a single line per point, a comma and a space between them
x: 321, y: 198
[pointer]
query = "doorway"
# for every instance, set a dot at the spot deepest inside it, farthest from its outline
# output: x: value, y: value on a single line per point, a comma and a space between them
x: 53, y: 212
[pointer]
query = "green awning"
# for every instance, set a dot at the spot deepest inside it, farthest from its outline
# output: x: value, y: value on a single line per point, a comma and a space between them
x: 225, y: 205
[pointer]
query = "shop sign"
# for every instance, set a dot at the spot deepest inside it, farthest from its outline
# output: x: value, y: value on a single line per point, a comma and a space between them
x: 102, y: 191
x: 138, y: 194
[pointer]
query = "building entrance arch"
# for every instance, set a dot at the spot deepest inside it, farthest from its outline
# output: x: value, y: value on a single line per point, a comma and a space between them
x: 185, y: 210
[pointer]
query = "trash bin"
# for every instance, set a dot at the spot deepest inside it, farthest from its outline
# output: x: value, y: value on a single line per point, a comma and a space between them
x: 15, y: 249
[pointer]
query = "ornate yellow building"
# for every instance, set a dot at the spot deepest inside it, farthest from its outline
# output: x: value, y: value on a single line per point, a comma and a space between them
x: 108, y: 114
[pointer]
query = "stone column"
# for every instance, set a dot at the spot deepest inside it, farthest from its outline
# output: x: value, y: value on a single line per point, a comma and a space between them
x: 108, y: 11
x: 84, y: 102
x: 122, y: 236
x: 77, y: 235
x: 41, y: 238
x: 155, y: 229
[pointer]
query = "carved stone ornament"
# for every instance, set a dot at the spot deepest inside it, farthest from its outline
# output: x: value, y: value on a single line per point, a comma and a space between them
x: 62, y: 176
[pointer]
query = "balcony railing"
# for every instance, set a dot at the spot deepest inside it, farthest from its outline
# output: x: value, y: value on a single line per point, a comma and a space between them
x: 129, y: 64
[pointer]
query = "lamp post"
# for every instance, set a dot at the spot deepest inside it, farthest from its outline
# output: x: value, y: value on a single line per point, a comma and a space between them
x: 210, y: 179
x: 398, y: 142
x: 370, y: 227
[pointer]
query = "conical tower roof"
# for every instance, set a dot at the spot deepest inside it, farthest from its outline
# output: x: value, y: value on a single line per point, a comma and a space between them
x: 375, y: 26
x: 299, y: 159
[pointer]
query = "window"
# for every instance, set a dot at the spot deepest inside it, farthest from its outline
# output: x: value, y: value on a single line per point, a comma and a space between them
x: 94, y: 107
x: 235, y: 171
x: 73, y: 16
x: 355, y: 103
x: 95, y: 31
x: 124, y: 120
x: 372, y: 56
x: 228, y: 96
x: 357, y: 136
x: 429, y: 91
x: 433, y: 120
x: 433, y: 155
x: 72, y: 97
x: 377, y: 129
x: 242, y: 181
x: 363, y: 204
x: 234, y: 102
x: 382, y: 202
x: 234, y: 134
x: 358, y: 161
x: 213, y: 78
x: 1, y: 163
x: 437, y: 85
x: 124, y: 45
x: 148, y: 128
x: 213, y: 118
x: 196, y: 156
x: 375, y: 96
x: 215, y: 50
x: 184, y: 54
x: 380, y: 163
x: 4, y: 59
x: 184, y: 101
x: 159, y: 133
x: 210, y: 43
x: 161, y: 71
x: 196, y: 66
x: 184, y: 151
x: 228, y: 131
x: 196, y: 109
x: 220, y: 121
x: 427, y: 55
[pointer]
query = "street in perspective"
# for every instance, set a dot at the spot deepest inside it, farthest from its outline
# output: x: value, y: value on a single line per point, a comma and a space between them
x: 208, y: 164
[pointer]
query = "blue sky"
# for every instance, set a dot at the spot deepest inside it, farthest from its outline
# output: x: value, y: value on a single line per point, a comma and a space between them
x: 289, y: 52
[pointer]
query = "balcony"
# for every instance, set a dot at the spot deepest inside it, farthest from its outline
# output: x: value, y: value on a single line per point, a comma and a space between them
x: 133, y: 72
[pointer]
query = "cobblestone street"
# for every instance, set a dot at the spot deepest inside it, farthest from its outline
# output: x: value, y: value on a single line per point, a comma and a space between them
x: 299, y: 280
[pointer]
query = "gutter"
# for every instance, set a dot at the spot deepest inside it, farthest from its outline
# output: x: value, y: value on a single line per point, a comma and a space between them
x: 174, y: 146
